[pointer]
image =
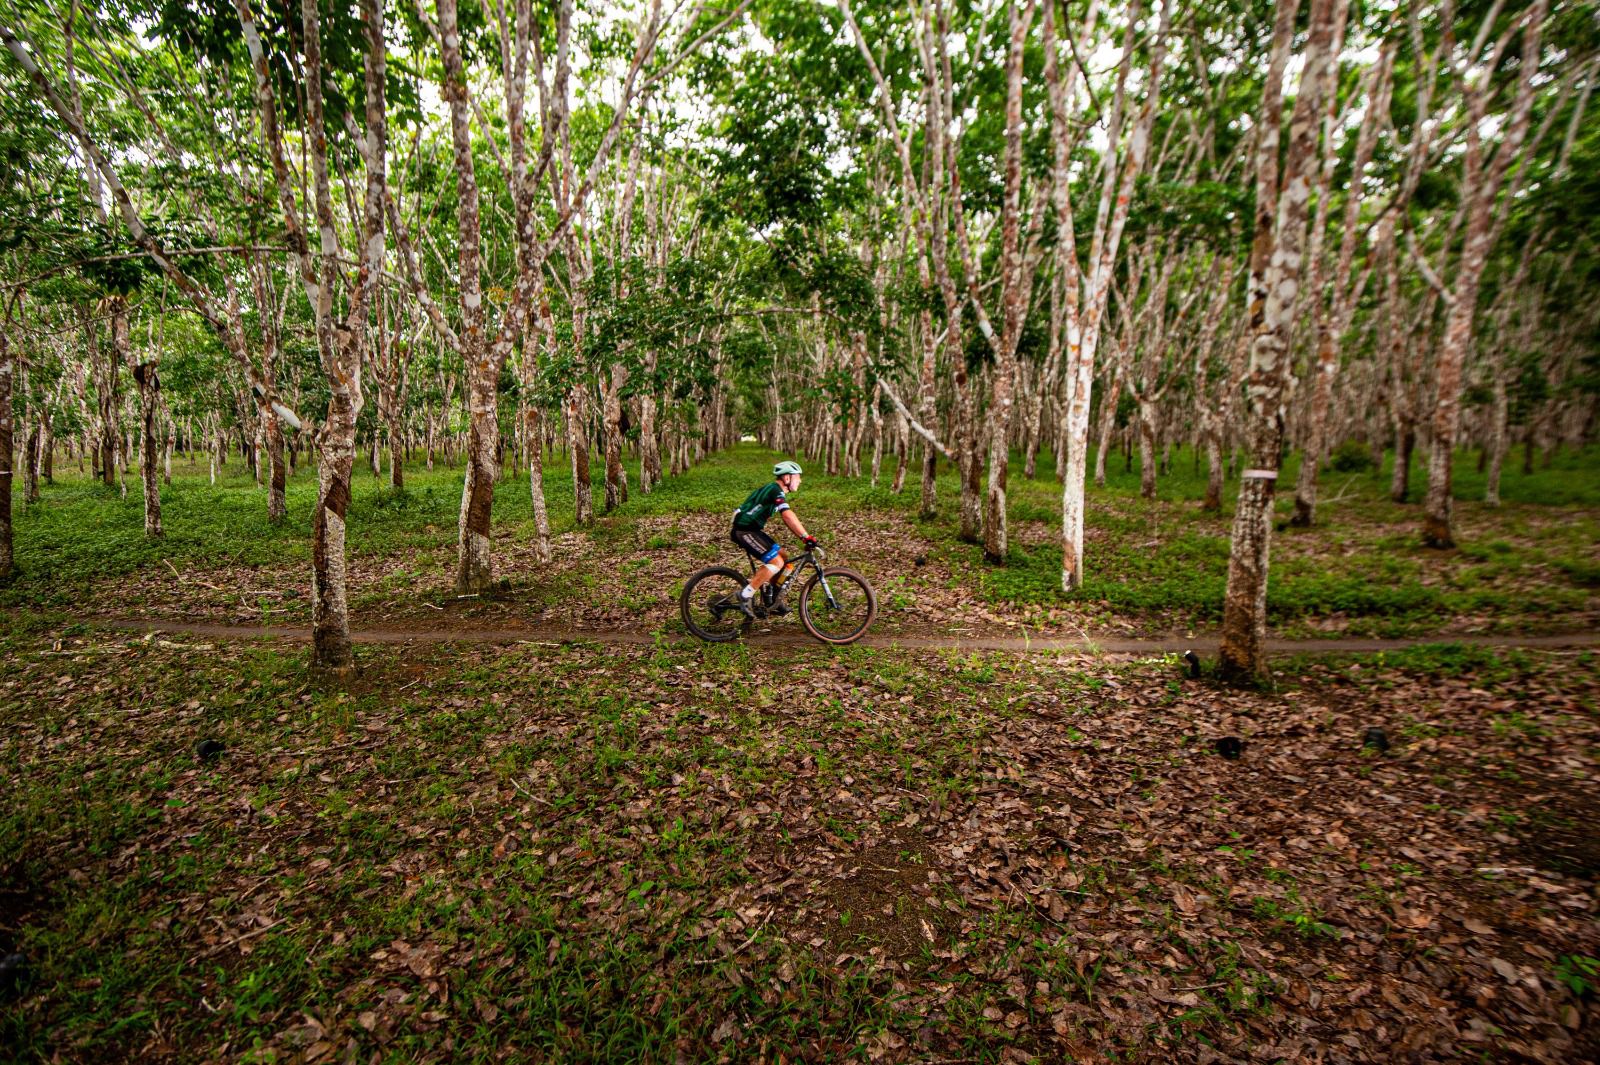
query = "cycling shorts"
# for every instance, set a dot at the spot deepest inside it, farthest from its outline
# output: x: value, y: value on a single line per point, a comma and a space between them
x: 757, y: 544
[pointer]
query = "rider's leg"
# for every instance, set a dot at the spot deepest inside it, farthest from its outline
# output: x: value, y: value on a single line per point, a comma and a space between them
x: 763, y: 574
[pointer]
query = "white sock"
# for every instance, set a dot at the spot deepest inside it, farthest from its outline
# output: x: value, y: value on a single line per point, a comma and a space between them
x: 747, y: 592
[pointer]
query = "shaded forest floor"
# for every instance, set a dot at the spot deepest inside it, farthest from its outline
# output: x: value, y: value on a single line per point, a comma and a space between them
x: 584, y: 851
x: 1155, y: 568
x: 572, y: 852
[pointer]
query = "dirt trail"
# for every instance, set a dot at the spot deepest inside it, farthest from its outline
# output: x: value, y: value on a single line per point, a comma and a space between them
x: 794, y: 637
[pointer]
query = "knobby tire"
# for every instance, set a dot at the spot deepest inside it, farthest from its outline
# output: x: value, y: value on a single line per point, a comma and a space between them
x: 686, y: 602
x: 842, y: 575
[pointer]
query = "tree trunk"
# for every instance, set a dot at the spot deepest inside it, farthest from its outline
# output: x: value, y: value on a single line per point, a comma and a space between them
x: 649, y: 445
x: 533, y: 426
x: 1405, y: 441
x: 330, y: 611
x: 7, y: 377
x: 616, y: 479
x: 1276, y: 261
x: 1496, y: 449
x: 578, y: 439
x: 397, y: 456
x: 1214, y: 468
x: 1305, y: 490
x: 877, y: 437
x: 1438, y: 504
x: 474, y: 562
x: 1147, y: 448
x: 902, y: 433
x: 970, y: 505
x: 34, y: 459
x: 107, y: 392
x: 277, y: 479
x: 1014, y: 290
x: 47, y: 452
x: 149, y: 383
x: 1481, y: 182
x: 1108, y: 417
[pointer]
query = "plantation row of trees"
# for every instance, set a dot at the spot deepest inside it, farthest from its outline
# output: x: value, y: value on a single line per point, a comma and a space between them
x: 877, y: 234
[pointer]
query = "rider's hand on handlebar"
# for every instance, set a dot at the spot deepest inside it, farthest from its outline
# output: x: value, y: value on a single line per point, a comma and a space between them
x: 811, y: 541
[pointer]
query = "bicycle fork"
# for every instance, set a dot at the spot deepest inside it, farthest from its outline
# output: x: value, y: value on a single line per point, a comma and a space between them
x: 822, y: 577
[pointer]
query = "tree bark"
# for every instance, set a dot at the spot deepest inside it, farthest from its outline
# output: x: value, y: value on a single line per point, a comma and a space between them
x: 1147, y: 448
x: 1108, y: 419
x: 1212, y: 504
x: 616, y: 479
x: 149, y: 384
x: 330, y: 610
x: 1014, y: 290
x: 277, y: 473
x: 1481, y: 184
x: 649, y: 443
x: 1333, y: 312
x: 34, y: 459
x: 108, y: 392
x: 533, y: 423
x: 533, y: 430
x: 578, y: 439
x: 1083, y: 326
x: 474, y: 561
x: 1497, y: 444
x: 1276, y: 267
x: 7, y: 380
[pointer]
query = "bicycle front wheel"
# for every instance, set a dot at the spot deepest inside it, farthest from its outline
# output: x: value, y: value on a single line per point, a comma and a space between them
x: 837, y: 607
x: 708, y: 604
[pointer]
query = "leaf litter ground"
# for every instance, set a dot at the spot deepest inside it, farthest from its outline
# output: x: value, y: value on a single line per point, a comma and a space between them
x: 574, y: 852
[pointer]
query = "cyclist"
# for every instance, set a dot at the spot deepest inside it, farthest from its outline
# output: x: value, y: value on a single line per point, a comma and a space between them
x: 749, y: 533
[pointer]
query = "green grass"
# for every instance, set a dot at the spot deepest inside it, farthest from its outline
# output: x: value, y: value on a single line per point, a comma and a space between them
x: 1531, y: 561
x: 83, y: 531
x: 1164, y: 555
x: 1486, y: 665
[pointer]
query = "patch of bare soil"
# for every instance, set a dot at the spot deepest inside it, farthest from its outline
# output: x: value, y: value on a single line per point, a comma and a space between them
x: 877, y: 901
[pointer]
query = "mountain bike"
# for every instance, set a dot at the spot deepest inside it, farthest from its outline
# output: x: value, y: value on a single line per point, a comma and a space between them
x: 836, y: 605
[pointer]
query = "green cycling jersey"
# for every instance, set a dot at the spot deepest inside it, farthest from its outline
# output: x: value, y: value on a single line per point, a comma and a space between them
x: 759, y: 507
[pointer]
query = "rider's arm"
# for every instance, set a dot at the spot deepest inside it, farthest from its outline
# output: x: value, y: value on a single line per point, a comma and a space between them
x: 793, y: 522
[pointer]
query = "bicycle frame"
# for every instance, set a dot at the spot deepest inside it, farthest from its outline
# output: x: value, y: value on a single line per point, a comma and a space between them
x: 812, y: 558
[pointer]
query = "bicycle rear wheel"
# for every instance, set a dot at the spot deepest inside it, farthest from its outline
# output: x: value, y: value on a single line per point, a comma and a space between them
x: 708, y: 604
x: 839, y: 609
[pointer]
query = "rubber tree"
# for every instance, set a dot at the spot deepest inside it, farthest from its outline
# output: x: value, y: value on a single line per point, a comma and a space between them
x: 148, y: 381
x: 1483, y: 176
x: 1336, y: 307
x: 1088, y: 288
x: 210, y: 309
x: 1276, y: 268
x: 8, y: 366
x: 485, y: 355
x: 341, y: 339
